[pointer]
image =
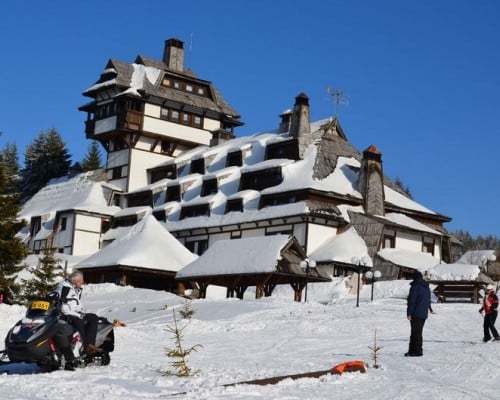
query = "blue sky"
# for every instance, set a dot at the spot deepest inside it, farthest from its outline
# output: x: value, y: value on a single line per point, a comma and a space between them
x: 421, y: 78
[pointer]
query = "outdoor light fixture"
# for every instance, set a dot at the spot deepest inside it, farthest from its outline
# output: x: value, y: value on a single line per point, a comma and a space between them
x: 359, y: 262
x: 373, y: 276
x: 306, y: 265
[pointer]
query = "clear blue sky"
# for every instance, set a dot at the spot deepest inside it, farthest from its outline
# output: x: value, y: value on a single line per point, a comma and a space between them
x: 421, y: 78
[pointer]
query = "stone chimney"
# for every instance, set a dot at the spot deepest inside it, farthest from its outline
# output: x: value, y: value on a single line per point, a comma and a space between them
x: 300, y: 123
x: 371, y: 181
x: 286, y: 117
x: 173, y: 54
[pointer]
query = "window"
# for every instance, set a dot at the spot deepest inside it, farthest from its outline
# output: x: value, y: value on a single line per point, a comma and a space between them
x: 389, y: 239
x: 277, y: 200
x: 63, y: 223
x: 117, y: 144
x: 258, y: 180
x: 198, y: 166
x: 197, y: 121
x: 190, y: 87
x: 182, y: 117
x: 195, y: 211
x: 167, y: 171
x: 197, y: 246
x: 234, y: 205
x: 209, y: 187
x: 174, y: 115
x: 165, y: 146
x: 173, y: 193
x: 116, y: 173
x: 428, y: 245
x: 140, y: 199
x: 288, y: 149
x: 35, y: 225
x: 234, y: 159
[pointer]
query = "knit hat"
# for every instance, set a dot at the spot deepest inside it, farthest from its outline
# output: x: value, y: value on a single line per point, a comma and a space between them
x: 417, y: 275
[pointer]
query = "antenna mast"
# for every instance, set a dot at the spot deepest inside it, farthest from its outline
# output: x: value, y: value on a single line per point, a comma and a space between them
x: 338, y: 98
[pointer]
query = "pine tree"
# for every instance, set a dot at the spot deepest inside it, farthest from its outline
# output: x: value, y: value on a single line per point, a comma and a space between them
x: 9, y: 156
x: 45, y: 158
x: 45, y: 278
x: 12, y: 250
x: 92, y: 160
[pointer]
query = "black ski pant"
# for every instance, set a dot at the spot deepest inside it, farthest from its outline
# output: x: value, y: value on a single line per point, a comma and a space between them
x: 87, y: 326
x: 489, y: 325
x: 417, y: 326
x: 61, y: 336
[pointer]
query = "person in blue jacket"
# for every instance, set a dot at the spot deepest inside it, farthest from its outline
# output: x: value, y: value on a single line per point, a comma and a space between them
x: 419, y: 302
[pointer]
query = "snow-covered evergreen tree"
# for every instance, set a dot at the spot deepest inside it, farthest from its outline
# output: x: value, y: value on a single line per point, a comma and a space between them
x: 45, y: 158
x: 45, y: 278
x: 92, y: 160
x: 12, y: 251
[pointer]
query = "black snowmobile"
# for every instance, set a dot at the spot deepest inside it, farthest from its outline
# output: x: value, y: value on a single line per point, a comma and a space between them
x: 35, y: 338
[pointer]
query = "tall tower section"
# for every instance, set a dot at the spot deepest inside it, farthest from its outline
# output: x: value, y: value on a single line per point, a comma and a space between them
x: 149, y: 111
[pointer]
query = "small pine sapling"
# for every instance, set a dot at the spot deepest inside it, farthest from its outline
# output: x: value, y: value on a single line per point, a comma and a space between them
x: 179, y: 353
x: 375, y: 349
x: 186, y: 311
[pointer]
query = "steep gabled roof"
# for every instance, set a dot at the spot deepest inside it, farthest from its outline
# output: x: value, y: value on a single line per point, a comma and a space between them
x: 147, y: 245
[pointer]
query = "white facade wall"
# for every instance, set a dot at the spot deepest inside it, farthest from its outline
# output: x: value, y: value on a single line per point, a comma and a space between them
x: 64, y: 239
x: 177, y: 131
x: 317, y: 235
x: 407, y: 241
x: 87, y: 234
x: 140, y: 161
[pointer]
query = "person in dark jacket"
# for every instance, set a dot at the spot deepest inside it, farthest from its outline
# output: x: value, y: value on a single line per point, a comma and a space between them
x: 419, y: 302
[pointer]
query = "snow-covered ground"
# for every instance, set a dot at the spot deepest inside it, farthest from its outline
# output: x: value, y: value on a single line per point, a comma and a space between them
x: 250, y: 339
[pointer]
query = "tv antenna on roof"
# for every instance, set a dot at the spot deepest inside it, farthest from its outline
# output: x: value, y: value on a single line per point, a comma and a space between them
x: 338, y: 98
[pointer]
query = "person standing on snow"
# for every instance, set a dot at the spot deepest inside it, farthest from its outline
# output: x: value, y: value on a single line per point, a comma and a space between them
x: 490, y: 305
x: 419, y: 302
x: 70, y: 293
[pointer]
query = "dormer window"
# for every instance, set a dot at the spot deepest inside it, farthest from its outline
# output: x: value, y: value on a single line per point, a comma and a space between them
x: 167, y: 171
x: 187, y: 86
x: 258, y: 180
x: 140, y: 199
x: 234, y: 205
x: 277, y: 200
x: 201, y: 210
x: 209, y: 187
x: 234, y: 159
x: 198, y: 166
x: 287, y: 149
x: 173, y: 193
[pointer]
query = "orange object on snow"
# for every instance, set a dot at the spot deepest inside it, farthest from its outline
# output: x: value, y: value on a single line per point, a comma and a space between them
x: 348, y: 366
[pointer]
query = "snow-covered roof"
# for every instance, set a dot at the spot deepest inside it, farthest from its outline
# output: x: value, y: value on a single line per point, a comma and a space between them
x: 478, y: 257
x: 343, y: 248
x: 76, y: 193
x: 238, y: 256
x: 412, y: 259
x: 146, y: 245
x: 404, y: 220
x: 453, y: 272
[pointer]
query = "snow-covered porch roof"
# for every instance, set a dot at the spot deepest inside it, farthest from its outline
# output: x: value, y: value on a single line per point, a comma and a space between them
x: 263, y: 262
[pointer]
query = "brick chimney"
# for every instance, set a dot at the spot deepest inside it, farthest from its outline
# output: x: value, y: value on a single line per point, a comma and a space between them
x: 300, y: 123
x: 371, y: 181
x: 173, y: 54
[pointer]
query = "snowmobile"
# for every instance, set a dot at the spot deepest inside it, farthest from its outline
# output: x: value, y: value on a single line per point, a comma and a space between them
x: 32, y: 339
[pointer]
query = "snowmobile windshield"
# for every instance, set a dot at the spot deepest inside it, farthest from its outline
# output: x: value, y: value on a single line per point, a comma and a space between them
x: 40, y: 308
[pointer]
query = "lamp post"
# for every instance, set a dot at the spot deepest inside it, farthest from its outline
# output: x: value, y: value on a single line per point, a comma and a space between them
x: 372, y: 277
x: 305, y: 265
x: 359, y: 262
